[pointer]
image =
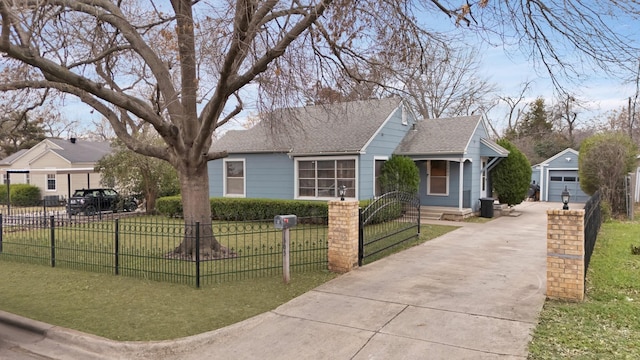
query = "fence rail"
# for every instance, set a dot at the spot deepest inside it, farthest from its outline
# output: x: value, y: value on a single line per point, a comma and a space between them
x: 142, y: 246
x: 592, y: 223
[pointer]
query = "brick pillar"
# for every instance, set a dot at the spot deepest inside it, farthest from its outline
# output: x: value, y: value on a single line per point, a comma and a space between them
x: 565, y: 254
x: 343, y: 235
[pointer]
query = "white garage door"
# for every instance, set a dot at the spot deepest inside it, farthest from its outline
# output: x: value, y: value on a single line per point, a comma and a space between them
x: 558, y: 179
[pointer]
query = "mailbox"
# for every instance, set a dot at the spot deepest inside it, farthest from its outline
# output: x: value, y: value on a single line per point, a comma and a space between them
x: 285, y: 221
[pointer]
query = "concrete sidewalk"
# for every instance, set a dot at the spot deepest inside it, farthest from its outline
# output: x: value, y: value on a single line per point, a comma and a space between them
x: 474, y: 293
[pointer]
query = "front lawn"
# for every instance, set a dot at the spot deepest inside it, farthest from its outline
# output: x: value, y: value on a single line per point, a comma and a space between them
x: 607, y: 324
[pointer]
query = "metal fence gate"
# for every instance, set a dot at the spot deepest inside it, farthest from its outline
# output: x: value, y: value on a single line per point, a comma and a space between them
x: 388, y: 221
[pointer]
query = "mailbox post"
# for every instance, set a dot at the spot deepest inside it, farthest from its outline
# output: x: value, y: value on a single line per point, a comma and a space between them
x: 285, y: 222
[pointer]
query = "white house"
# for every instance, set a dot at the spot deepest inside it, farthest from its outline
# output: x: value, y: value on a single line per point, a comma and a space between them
x: 56, y: 166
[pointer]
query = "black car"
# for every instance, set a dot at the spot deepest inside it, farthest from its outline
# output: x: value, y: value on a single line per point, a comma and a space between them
x: 92, y: 201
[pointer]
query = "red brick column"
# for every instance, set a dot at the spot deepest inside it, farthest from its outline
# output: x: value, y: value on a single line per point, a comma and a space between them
x: 343, y: 235
x: 565, y: 254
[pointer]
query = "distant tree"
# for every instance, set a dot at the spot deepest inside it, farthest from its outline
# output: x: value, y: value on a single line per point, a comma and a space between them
x: 603, y: 163
x: 535, y: 122
x: 514, y: 110
x: 564, y: 114
x: 18, y: 131
x: 512, y: 176
x: 534, y: 134
x: 133, y: 173
x: 399, y: 173
x: 445, y: 81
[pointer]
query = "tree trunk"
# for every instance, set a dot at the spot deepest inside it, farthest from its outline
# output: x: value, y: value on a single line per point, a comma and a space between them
x: 197, y: 210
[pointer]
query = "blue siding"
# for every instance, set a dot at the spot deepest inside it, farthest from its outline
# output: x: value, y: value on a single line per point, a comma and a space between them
x: 436, y: 200
x: 474, y: 168
x: 471, y: 177
x: 382, y: 145
x: 561, y: 161
x: 565, y: 163
x: 266, y: 175
x: 215, y: 177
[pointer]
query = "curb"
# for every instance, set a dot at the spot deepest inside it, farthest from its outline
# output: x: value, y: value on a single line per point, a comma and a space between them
x: 104, y: 348
x: 23, y: 323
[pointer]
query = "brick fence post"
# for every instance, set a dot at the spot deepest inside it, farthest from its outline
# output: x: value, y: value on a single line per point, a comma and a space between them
x: 565, y: 254
x: 343, y: 235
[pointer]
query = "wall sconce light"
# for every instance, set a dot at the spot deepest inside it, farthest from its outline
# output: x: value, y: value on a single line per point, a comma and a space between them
x: 568, y: 159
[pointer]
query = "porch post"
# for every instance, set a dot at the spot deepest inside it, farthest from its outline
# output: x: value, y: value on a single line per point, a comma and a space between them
x: 461, y: 184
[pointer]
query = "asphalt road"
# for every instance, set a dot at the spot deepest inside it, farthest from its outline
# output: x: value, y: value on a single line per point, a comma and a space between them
x: 10, y: 339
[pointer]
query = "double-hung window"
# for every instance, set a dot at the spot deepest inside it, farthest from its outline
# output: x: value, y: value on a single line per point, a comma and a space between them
x: 234, y: 179
x: 51, y: 182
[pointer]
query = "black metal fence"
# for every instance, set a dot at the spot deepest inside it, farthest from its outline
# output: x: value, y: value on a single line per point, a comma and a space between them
x: 592, y: 222
x: 143, y: 246
x: 389, y: 221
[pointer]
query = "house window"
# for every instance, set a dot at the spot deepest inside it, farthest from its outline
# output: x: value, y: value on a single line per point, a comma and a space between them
x: 51, y: 182
x: 27, y: 178
x: 438, y: 177
x: 4, y: 178
x: 377, y: 173
x: 322, y: 178
x: 234, y: 178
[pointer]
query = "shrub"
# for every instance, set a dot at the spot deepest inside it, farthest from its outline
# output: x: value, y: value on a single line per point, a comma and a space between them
x: 170, y: 206
x: 241, y: 209
x: 604, y: 161
x: 385, y: 211
x: 512, y: 175
x: 399, y: 173
x: 21, y: 195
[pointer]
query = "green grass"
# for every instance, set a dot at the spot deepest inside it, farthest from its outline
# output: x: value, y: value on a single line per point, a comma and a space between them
x: 607, y: 324
x: 123, y: 308
x: 427, y: 232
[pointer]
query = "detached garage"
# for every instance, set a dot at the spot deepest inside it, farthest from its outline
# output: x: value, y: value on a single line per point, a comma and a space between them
x: 557, y: 172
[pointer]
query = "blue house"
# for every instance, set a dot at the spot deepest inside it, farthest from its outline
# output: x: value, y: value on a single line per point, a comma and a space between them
x: 556, y: 173
x: 309, y: 152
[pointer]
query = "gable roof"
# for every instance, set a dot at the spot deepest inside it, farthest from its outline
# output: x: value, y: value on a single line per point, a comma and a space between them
x: 319, y: 129
x: 81, y: 151
x: 13, y: 157
x: 561, y: 153
x: 440, y: 136
x: 78, y: 152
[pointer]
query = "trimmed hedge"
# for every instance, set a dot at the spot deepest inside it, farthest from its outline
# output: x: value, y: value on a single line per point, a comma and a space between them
x: 242, y: 209
x: 21, y: 195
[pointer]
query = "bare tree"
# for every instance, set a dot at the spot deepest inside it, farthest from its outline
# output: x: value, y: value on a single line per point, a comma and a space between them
x: 447, y: 82
x: 515, y: 108
x: 564, y: 114
x: 186, y: 67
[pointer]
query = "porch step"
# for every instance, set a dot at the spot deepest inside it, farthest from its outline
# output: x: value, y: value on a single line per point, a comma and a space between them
x: 425, y: 215
x: 431, y: 215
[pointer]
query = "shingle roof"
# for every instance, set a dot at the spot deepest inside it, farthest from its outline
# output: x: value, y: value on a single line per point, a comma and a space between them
x: 333, y: 128
x: 439, y: 136
x: 11, y: 158
x: 82, y: 151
